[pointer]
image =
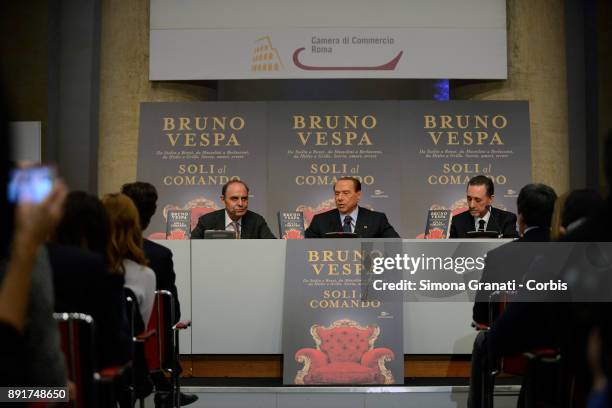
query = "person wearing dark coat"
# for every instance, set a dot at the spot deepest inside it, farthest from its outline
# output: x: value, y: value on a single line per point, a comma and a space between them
x: 482, y: 216
x: 83, y: 284
x: 535, y: 205
x: 82, y: 279
x: 348, y: 216
x: 235, y: 217
x: 252, y: 225
x: 511, y: 262
x: 581, y: 318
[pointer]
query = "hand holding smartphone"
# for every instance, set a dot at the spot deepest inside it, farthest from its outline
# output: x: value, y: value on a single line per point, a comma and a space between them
x: 30, y: 184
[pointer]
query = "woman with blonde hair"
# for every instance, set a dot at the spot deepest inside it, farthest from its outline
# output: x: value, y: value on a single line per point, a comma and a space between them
x: 126, y: 255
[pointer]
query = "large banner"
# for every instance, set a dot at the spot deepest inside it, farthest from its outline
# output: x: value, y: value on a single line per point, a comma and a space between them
x: 446, y: 144
x: 331, y: 335
x: 271, y: 39
x: 188, y: 150
x: 315, y: 144
x: 411, y: 156
x: 375, y: 52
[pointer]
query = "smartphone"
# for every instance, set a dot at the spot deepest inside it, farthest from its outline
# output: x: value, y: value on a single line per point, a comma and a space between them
x: 30, y: 184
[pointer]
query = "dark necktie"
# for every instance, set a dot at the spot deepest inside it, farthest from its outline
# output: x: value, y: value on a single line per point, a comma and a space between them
x: 347, y: 224
x: 481, y: 225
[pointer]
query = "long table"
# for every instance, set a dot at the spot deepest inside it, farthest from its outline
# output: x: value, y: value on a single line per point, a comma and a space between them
x: 232, y: 290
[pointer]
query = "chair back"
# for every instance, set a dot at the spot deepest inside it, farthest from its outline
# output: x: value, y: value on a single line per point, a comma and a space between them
x: 344, y: 340
x: 141, y: 385
x: 135, y: 323
x: 77, y: 342
x: 160, y: 353
x: 498, y: 302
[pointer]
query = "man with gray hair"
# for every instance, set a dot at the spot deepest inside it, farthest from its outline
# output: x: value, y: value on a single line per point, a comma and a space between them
x: 349, y: 217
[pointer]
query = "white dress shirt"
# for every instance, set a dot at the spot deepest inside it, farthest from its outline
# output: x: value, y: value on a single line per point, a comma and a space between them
x: 229, y: 223
x: 485, y: 218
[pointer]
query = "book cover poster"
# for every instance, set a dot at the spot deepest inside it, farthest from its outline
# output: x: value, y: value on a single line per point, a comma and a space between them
x: 188, y: 150
x: 331, y: 335
x: 438, y: 224
x: 312, y: 144
x: 411, y: 156
x: 444, y: 144
x: 291, y: 225
x: 178, y: 225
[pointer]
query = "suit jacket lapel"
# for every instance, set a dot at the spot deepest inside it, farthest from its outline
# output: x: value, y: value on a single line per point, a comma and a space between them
x: 471, y: 223
x: 245, y: 227
x: 220, y: 221
x: 492, y: 225
x: 360, y: 223
x: 335, y: 225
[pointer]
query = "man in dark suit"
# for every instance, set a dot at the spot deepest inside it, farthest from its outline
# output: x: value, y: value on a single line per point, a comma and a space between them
x: 535, y: 204
x: 349, y: 217
x: 481, y: 216
x: 235, y: 216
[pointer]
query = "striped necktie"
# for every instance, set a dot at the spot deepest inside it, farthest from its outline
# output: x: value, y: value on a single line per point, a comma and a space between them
x: 236, y: 229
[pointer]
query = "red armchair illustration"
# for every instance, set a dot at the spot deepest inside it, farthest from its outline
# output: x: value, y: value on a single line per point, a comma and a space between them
x: 345, y: 354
